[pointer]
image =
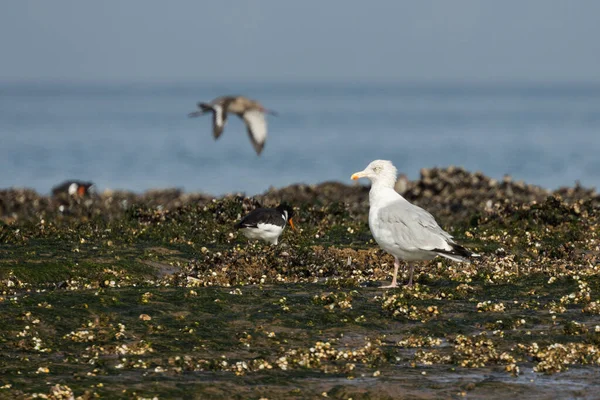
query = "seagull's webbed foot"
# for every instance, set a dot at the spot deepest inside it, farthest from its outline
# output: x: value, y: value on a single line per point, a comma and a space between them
x: 390, y: 286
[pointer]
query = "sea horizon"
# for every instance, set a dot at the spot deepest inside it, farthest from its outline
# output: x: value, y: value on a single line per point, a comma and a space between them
x: 136, y: 136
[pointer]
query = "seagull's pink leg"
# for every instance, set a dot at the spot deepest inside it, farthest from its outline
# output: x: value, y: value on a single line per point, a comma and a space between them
x: 396, y: 266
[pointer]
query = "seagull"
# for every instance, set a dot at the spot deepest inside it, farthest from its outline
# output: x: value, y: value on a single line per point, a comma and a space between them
x: 402, y: 229
x: 266, y: 224
x: 251, y: 111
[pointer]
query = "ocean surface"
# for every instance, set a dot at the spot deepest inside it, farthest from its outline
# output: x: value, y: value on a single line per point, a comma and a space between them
x: 138, y: 137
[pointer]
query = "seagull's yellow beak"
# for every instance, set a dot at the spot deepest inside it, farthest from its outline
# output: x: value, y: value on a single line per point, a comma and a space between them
x: 357, y: 175
x: 292, y: 224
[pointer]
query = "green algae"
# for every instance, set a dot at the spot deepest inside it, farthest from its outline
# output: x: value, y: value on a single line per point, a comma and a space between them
x: 191, y: 332
x: 173, y: 303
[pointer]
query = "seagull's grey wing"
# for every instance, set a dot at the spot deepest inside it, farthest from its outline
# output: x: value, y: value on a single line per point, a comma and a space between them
x: 413, y: 228
x: 256, y: 125
x: 219, y: 120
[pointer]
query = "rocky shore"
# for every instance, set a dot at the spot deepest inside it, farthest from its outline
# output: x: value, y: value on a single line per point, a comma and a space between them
x: 127, y: 295
x: 451, y: 194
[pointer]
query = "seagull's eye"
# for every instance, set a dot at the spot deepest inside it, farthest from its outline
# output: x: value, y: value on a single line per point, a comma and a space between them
x: 377, y: 169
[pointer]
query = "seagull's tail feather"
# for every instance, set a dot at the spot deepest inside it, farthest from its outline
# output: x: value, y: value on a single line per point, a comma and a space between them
x: 453, y: 257
x: 457, y: 253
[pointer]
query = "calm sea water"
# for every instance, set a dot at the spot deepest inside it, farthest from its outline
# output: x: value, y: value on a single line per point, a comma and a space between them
x: 137, y: 136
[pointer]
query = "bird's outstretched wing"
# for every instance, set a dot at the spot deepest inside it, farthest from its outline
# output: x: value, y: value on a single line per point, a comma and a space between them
x: 256, y: 125
x: 219, y: 120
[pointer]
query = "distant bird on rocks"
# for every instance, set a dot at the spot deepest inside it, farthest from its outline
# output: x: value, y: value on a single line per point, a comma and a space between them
x: 73, y: 188
x: 251, y: 111
x: 402, y: 229
x: 266, y: 224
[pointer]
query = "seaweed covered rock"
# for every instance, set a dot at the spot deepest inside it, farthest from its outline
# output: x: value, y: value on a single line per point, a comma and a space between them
x: 452, y: 194
x: 160, y: 286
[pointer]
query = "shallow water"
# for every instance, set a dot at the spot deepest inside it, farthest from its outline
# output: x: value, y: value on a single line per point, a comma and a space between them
x: 137, y: 136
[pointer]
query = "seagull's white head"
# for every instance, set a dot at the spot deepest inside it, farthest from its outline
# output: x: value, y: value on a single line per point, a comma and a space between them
x: 379, y: 172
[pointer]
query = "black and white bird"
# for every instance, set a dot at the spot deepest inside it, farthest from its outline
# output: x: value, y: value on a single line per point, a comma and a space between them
x: 251, y: 111
x: 402, y: 229
x: 267, y: 224
x: 73, y: 188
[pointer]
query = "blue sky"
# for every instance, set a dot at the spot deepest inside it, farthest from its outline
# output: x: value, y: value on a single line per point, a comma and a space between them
x: 277, y: 40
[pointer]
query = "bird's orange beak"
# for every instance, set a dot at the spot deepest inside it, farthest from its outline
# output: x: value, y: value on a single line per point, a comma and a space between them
x: 81, y: 190
x: 357, y: 175
x: 292, y: 224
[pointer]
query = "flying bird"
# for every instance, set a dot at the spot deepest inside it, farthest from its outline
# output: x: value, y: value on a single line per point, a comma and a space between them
x: 402, y: 229
x: 267, y: 224
x: 251, y: 111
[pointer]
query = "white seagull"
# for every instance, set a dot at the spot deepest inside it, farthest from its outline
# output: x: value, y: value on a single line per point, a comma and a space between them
x: 266, y: 223
x: 251, y: 111
x: 402, y: 229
